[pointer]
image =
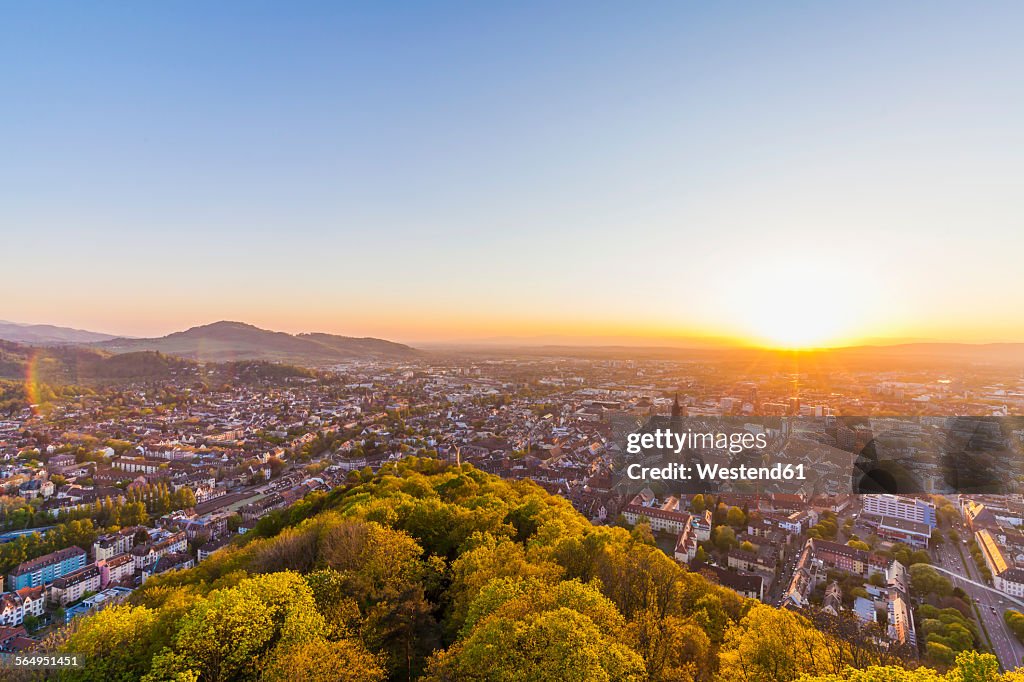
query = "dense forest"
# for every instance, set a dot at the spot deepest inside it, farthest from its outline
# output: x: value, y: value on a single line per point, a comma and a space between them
x: 430, y: 572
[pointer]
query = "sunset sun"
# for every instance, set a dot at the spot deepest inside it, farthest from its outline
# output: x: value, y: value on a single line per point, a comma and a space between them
x: 803, y: 305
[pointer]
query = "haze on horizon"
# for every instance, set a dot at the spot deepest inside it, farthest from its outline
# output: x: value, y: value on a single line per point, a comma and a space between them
x: 787, y: 175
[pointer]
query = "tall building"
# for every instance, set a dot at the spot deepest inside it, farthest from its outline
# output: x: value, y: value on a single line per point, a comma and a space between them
x: 45, y: 569
x: 899, y: 507
x: 676, y: 421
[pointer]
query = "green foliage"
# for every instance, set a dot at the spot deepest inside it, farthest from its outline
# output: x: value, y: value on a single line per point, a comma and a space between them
x: 968, y: 666
x: 925, y: 580
x: 826, y: 528
x: 446, y: 573
x: 80, y: 532
x: 1015, y: 621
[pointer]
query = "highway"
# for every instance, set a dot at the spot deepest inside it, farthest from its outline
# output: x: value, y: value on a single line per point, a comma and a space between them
x: 991, y: 604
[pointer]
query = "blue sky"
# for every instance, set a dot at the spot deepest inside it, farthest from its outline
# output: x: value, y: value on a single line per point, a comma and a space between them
x: 462, y: 170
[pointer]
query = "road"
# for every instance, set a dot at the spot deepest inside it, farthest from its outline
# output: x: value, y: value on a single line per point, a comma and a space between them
x: 991, y: 604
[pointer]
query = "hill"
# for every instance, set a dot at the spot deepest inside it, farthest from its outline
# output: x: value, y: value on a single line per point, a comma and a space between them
x: 30, y: 374
x: 430, y: 572
x: 223, y: 341
x: 65, y: 365
x: 48, y: 334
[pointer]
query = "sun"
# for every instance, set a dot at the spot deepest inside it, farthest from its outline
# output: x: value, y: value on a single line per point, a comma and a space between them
x: 794, y: 325
x: 798, y: 303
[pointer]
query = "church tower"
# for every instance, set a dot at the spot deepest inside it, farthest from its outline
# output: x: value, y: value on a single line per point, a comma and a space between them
x: 676, y: 422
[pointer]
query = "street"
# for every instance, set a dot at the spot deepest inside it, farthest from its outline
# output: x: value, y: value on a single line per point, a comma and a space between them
x: 991, y: 604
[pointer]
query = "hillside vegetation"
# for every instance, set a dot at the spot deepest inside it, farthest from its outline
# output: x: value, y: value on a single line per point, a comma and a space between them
x: 45, y: 375
x: 222, y: 341
x: 429, y: 572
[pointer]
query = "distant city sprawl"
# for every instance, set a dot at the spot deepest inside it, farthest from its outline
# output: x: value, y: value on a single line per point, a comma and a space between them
x: 113, y: 481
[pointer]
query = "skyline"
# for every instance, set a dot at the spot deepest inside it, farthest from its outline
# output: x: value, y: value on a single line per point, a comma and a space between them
x: 783, y: 176
x: 696, y: 343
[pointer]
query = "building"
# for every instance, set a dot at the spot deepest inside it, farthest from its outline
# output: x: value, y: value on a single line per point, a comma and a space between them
x: 899, y: 507
x: 148, y: 554
x: 913, y: 533
x: 833, y: 601
x: 750, y: 561
x: 139, y: 465
x: 843, y: 557
x: 208, y: 549
x: 864, y: 610
x: 116, y: 570
x: 172, y: 561
x: 45, y: 569
x: 15, y: 606
x: 73, y: 586
x: 669, y: 516
x: 991, y: 552
x: 749, y: 585
x: 803, y: 580
x: 209, y: 526
x: 98, y: 601
x: 112, y: 544
x: 901, y: 619
x: 1006, y: 577
x: 976, y: 515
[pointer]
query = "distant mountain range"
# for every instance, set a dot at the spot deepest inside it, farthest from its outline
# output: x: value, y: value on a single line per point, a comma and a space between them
x: 218, y: 342
x: 223, y: 341
x: 227, y: 341
x: 48, y: 334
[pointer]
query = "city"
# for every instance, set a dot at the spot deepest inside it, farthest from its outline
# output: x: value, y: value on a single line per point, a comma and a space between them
x: 511, y: 342
x: 109, y: 485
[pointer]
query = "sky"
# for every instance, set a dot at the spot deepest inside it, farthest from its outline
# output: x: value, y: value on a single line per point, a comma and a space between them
x: 781, y: 174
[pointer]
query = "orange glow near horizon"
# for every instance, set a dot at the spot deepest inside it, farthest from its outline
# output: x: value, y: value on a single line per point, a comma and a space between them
x: 790, y: 303
x: 805, y: 318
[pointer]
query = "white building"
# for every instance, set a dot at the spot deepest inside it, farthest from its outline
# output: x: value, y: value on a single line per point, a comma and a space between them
x: 899, y: 507
x: 15, y: 606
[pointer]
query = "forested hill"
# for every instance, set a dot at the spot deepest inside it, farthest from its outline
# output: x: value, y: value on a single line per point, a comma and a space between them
x: 43, y: 375
x: 435, y: 573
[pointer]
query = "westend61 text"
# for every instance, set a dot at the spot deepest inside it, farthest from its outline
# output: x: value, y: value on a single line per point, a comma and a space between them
x: 714, y: 472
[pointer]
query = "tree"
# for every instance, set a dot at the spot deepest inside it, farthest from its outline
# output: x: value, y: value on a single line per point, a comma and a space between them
x: 925, y: 580
x: 642, y: 534
x: 403, y: 627
x: 771, y: 645
x: 697, y: 504
x: 276, y: 466
x: 969, y: 666
x: 116, y: 643
x: 183, y: 498
x: 140, y: 537
x: 526, y: 640
x: 319, y: 660
x: 1015, y: 621
x: 735, y: 517
x: 672, y: 648
x: 724, y: 537
x: 224, y: 636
